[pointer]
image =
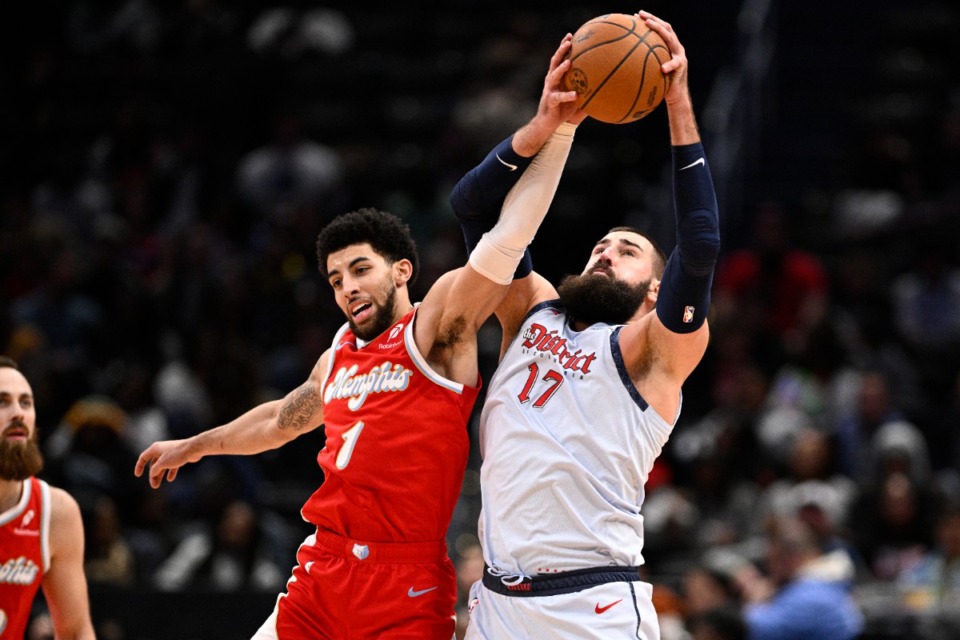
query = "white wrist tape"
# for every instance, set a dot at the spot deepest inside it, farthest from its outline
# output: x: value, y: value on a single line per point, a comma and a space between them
x: 498, y: 253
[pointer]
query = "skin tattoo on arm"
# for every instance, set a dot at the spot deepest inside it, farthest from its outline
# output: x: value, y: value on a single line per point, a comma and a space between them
x: 303, y: 405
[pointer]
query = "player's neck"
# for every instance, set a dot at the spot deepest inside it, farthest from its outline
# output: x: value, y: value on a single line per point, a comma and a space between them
x: 644, y: 309
x: 10, y: 492
x: 402, y: 307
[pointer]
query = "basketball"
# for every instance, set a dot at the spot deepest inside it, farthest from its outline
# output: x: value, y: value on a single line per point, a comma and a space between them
x: 615, y: 68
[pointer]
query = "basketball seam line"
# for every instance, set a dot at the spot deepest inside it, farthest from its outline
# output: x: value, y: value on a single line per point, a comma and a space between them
x: 610, y: 75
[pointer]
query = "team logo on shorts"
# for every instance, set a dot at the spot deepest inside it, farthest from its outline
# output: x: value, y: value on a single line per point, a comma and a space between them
x: 362, y: 551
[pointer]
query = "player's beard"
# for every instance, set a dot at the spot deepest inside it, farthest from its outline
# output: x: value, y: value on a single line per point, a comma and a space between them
x: 595, y: 298
x: 20, y: 460
x: 382, y: 318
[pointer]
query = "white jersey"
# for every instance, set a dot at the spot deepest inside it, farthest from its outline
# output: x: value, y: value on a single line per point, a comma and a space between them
x: 567, y: 444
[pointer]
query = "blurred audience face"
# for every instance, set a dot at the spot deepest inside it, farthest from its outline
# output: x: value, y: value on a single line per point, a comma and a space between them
x: 948, y: 535
x: 898, y: 505
x: 237, y: 528
x: 874, y: 399
x: 703, y: 591
x: 810, y: 455
x: 791, y: 545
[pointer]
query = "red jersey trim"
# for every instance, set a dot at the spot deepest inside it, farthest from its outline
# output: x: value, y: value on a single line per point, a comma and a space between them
x: 334, y: 347
x: 17, y: 510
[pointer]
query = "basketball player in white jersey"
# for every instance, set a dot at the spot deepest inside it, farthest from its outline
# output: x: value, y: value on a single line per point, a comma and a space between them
x: 586, y: 394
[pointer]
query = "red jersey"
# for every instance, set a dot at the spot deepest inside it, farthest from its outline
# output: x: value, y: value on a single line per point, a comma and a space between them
x: 397, y: 441
x: 24, y: 556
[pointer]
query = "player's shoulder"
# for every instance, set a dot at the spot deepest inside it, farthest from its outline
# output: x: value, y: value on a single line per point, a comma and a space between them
x: 64, y: 508
x: 525, y: 297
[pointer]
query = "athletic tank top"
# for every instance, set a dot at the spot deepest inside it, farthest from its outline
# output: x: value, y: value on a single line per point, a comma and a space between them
x: 24, y: 556
x: 397, y: 441
x: 567, y: 444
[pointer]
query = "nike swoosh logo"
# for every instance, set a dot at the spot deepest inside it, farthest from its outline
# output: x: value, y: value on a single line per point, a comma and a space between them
x: 414, y: 594
x: 598, y: 609
x: 512, y: 167
x: 699, y: 160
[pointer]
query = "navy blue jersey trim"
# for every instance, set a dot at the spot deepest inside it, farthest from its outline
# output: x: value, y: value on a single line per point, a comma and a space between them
x: 622, y: 370
x: 564, y: 582
x: 540, y: 306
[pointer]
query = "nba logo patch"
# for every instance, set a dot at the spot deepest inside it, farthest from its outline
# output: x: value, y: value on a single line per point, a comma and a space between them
x: 688, y: 315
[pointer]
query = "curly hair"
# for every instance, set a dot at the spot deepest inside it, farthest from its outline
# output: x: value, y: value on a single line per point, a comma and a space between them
x: 386, y: 233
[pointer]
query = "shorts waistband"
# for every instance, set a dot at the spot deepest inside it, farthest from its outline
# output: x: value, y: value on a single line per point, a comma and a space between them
x: 386, y: 552
x: 566, y: 582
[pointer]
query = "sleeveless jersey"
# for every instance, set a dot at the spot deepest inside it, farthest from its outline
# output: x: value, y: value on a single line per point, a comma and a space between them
x: 24, y: 556
x: 567, y: 444
x: 397, y: 441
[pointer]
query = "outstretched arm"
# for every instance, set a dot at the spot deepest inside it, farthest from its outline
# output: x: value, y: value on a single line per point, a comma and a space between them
x: 684, y: 296
x: 677, y: 334
x: 266, y: 426
x: 478, y: 197
x: 462, y: 300
x: 485, y: 191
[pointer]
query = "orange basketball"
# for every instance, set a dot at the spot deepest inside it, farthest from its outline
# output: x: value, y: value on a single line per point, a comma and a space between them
x: 615, y: 68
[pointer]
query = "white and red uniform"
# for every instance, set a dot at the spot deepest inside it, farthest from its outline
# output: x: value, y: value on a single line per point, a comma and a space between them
x: 24, y: 555
x: 394, y: 459
x: 567, y: 444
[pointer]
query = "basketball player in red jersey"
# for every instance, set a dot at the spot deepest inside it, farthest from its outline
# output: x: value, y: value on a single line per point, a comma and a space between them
x: 394, y: 392
x: 41, y: 533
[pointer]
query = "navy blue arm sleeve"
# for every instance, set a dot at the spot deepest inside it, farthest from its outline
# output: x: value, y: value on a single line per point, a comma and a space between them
x: 478, y: 197
x: 684, y: 297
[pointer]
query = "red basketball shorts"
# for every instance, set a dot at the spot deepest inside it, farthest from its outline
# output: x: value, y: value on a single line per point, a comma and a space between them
x: 347, y: 589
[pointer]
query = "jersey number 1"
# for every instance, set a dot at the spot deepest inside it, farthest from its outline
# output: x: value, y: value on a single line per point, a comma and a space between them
x: 350, y: 437
x: 552, y: 377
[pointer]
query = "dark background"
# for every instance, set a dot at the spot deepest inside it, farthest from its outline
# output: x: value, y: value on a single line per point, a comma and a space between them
x: 157, y: 262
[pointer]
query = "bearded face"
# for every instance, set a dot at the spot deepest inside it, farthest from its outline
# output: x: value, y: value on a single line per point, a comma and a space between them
x: 594, y: 297
x: 383, y: 315
x: 19, y: 459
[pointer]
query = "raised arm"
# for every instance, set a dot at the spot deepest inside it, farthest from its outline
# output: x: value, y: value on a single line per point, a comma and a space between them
x: 64, y: 583
x: 481, y: 195
x: 478, y: 197
x: 266, y: 426
x: 462, y: 300
x: 677, y: 334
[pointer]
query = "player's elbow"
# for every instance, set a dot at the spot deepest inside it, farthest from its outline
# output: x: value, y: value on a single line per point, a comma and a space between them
x: 463, y: 198
x: 698, y: 242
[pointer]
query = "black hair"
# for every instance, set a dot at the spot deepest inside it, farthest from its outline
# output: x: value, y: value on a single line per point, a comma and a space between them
x: 8, y: 362
x: 386, y: 233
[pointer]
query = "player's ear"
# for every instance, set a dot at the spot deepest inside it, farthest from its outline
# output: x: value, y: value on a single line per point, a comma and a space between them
x: 654, y: 291
x: 402, y: 272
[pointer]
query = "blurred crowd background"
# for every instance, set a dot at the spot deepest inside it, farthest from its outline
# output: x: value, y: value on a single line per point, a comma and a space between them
x: 166, y: 168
